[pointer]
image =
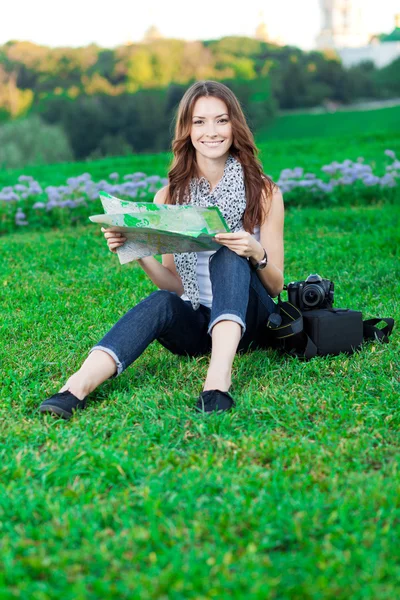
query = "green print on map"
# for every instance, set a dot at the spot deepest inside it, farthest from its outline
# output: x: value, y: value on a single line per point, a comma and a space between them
x: 160, y: 228
x: 131, y: 221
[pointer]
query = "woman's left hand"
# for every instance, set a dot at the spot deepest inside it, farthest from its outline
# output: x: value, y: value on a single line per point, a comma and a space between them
x: 242, y: 242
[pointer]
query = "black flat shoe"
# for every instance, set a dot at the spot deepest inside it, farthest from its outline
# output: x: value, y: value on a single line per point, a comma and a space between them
x: 63, y: 404
x: 214, y: 400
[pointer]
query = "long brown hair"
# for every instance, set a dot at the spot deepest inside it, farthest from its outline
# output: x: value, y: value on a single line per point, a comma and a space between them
x: 243, y: 148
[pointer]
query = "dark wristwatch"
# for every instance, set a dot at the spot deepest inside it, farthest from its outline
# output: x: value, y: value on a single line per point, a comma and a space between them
x: 262, y: 264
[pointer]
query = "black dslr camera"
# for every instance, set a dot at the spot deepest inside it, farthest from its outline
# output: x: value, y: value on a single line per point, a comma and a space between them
x: 312, y: 293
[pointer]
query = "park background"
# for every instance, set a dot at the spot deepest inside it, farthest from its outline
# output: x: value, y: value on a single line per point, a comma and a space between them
x: 295, y: 494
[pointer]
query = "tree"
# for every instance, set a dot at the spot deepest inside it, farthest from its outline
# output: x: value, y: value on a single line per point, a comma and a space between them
x: 31, y: 142
x: 387, y: 80
x: 140, y: 70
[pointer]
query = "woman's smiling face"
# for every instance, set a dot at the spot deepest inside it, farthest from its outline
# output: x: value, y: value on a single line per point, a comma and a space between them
x: 211, y: 131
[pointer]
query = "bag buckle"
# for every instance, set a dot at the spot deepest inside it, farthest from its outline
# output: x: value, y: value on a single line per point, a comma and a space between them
x: 274, y: 320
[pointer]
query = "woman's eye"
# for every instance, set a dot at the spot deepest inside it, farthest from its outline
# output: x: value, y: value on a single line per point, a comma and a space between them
x: 220, y: 121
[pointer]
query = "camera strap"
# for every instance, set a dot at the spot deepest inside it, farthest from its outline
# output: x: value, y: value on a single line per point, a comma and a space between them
x: 292, y: 324
x: 288, y: 322
x: 370, y: 332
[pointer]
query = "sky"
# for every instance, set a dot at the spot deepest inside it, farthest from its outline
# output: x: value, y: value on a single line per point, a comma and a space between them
x: 115, y: 22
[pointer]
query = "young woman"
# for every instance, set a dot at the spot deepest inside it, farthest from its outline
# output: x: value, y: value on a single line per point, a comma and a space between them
x: 215, y: 301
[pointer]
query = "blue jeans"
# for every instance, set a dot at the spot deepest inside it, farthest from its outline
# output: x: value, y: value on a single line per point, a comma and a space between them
x: 238, y: 295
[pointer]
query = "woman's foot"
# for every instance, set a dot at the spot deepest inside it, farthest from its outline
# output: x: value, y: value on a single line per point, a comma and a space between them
x: 218, y: 380
x: 214, y: 401
x: 98, y: 367
x: 71, y: 397
x: 76, y: 386
x: 215, y: 396
x: 62, y: 404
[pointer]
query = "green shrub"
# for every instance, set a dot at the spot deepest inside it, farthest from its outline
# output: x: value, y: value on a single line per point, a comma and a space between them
x: 31, y: 142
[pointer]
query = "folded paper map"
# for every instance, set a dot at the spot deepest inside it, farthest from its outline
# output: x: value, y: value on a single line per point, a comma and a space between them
x: 160, y: 228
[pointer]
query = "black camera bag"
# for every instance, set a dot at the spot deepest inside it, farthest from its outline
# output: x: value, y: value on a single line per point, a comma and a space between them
x: 307, y: 333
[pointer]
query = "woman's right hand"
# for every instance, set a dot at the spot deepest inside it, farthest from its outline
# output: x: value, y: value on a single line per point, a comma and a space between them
x: 114, y: 239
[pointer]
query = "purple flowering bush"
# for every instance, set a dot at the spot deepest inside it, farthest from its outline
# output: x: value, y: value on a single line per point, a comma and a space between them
x: 28, y: 205
x: 349, y: 183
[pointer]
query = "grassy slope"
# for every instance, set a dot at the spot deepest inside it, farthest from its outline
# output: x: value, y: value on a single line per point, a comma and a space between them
x: 275, y: 155
x: 308, y: 141
x: 334, y: 124
x: 295, y: 494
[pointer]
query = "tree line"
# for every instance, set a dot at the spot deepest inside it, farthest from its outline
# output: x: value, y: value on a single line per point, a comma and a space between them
x: 122, y: 100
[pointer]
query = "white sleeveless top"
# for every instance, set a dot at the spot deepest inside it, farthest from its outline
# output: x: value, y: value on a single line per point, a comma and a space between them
x: 203, y: 274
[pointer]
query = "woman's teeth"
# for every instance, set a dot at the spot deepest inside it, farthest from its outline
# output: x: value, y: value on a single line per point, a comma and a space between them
x: 212, y: 143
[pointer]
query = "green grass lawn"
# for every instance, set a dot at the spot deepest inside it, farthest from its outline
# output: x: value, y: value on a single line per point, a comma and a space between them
x: 333, y: 124
x: 276, y: 153
x: 294, y: 494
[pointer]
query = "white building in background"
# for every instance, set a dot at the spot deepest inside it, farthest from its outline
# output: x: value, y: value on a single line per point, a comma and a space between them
x: 381, y: 54
x: 342, y: 25
x: 381, y: 50
x: 344, y: 32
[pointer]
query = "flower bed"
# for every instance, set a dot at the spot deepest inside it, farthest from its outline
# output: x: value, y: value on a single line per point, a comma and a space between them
x: 28, y: 205
x: 350, y: 183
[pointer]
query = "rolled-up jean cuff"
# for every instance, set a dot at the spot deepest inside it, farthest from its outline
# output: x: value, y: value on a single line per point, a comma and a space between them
x: 119, y: 364
x: 228, y: 317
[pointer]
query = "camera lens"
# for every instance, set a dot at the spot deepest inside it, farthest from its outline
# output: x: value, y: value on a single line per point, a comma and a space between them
x: 312, y: 295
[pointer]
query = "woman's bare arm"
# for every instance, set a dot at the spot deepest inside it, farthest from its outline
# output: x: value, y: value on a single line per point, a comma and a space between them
x: 271, y: 238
